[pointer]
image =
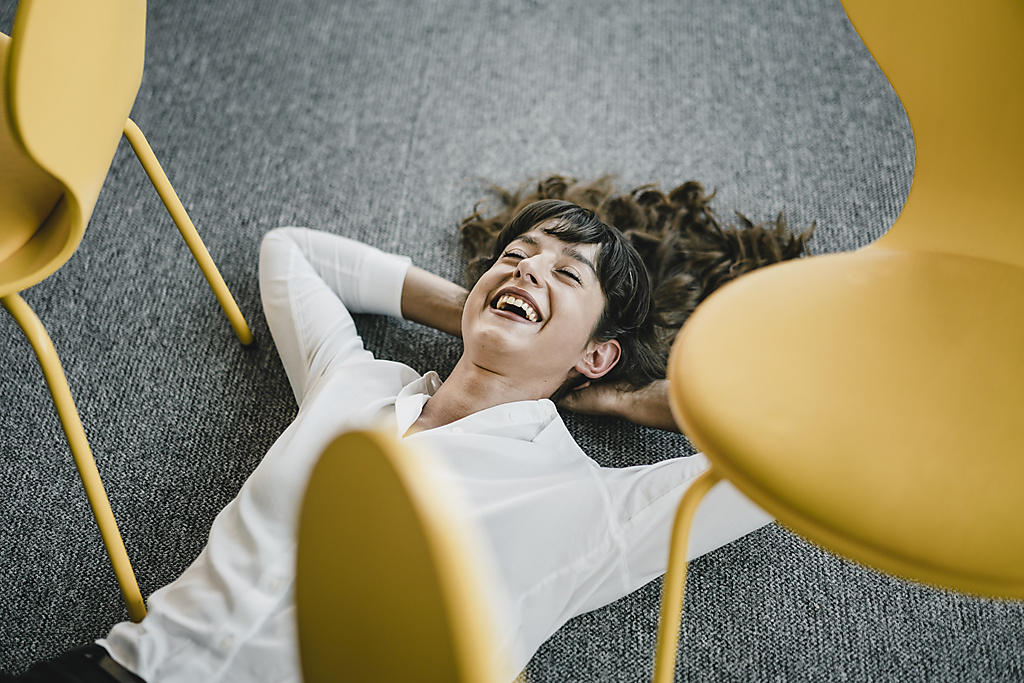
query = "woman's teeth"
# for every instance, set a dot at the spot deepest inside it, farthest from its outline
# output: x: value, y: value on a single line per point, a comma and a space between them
x: 506, y: 301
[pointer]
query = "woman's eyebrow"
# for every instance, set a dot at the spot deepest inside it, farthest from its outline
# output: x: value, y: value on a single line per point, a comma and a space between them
x: 577, y: 255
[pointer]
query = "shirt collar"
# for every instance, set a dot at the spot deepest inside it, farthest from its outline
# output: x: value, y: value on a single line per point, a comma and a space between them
x: 520, y: 419
x: 411, y: 399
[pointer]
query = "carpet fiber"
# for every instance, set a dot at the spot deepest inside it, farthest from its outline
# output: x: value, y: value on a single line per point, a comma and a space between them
x: 375, y: 120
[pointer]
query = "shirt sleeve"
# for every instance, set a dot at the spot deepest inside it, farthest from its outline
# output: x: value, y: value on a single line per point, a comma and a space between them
x: 647, y: 498
x: 310, y: 282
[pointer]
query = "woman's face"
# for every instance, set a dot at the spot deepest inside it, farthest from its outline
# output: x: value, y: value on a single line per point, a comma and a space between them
x: 531, y: 316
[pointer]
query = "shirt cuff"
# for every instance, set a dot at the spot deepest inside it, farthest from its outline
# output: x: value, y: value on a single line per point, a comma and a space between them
x: 380, y: 282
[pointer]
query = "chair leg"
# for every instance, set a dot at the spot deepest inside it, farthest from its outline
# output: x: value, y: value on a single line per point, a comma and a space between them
x: 195, y: 243
x: 54, y: 374
x: 675, y: 579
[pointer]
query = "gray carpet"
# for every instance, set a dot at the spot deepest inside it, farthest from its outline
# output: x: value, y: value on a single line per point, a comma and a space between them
x: 372, y: 119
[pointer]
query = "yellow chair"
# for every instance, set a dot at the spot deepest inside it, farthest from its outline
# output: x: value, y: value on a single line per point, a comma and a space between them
x: 69, y: 75
x: 389, y: 586
x: 873, y: 401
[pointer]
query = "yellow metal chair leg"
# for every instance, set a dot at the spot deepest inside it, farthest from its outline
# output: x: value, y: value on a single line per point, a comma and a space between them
x: 54, y: 374
x: 195, y: 243
x: 675, y: 579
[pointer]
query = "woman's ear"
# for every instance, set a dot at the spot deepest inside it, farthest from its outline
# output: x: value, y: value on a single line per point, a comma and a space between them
x: 599, y: 358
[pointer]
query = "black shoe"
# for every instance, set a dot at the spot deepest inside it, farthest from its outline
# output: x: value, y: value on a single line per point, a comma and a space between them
x: 88, y: 664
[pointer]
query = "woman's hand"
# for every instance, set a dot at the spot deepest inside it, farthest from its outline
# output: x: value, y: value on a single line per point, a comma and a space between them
x: 647, y: 405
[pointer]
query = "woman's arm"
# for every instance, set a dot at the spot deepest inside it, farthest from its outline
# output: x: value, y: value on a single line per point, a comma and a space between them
x: 310, y: 281
x: 647, y: 406
x: 431, y: 300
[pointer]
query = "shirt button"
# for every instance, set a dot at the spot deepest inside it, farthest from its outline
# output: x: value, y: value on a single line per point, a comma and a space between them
x: 225, y: 643
x: 456, y: 430
x: 513, y: 416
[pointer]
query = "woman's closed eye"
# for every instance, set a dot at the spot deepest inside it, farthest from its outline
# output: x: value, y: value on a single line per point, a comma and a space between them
x: 572, y: 275
x: 517, y: 255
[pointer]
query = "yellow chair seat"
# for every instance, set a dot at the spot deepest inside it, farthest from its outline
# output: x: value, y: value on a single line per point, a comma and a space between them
x: 855, y: 472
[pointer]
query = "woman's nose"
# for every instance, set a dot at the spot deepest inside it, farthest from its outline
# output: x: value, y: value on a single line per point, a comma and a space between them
x: 527, y: 270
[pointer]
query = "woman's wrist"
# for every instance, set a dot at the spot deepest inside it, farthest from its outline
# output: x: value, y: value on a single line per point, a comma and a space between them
x: 431, y: 300
x: 649, y: 406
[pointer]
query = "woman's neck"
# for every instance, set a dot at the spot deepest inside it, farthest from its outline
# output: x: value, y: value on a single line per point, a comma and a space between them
x: 470, y: 389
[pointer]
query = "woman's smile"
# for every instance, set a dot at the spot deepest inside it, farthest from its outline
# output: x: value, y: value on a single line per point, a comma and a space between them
x: 517, y: 304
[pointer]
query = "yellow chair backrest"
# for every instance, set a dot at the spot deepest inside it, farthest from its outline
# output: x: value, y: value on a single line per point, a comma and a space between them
x: 27, y: 192
x: 72, y: 71
x: 75, y: 70
x: 958, y: 69
x: 389, y: 584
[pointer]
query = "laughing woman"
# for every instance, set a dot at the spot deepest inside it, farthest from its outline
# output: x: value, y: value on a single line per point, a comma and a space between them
x: 562, y: 308
x: 688, y: 252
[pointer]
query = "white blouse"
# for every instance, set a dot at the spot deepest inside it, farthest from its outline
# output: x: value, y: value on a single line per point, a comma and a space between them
x: 566, y: 535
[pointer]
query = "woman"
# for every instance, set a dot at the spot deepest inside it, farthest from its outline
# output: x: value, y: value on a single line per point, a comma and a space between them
x: 563, y: 304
